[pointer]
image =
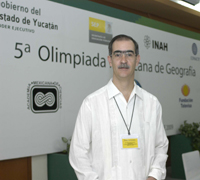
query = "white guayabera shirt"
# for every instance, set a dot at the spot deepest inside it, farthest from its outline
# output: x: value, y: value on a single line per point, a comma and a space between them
x: 96, y: 149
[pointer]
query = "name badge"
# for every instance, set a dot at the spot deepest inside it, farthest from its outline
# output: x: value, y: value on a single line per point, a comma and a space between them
x: 130, y: 141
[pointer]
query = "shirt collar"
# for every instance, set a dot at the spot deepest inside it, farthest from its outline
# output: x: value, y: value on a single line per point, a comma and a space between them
x: 113, y: 91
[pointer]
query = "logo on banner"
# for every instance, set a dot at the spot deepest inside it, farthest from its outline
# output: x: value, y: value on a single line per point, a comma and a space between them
x: 185, y: 90
x: 194, y: 52
x: 147, y: 42
x: 194, y: 49
x: 185, y: 101
x: 44, y: 97
x: 100, y: 31
x: 155, y: 44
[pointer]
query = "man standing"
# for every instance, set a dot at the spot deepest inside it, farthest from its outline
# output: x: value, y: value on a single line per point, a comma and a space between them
x: 119, y: 134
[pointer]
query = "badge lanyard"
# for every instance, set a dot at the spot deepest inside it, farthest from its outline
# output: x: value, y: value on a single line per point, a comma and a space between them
x: 123, y: 116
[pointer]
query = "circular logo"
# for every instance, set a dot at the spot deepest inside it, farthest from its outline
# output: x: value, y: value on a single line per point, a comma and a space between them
x: 194, y: 49
x: 147, y: 41
x: 185, y: 90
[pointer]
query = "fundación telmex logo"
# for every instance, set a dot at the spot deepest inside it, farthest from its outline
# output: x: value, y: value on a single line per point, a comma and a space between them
x: 44, y: 97
x: 185, y: 102
x: 155, y: 44
x: 185, y: 90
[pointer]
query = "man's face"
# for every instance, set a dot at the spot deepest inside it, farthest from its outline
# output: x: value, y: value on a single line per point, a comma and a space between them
x: 123, y: 59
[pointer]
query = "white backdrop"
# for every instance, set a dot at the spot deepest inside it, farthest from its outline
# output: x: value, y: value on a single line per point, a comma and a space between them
x: 32, y: 61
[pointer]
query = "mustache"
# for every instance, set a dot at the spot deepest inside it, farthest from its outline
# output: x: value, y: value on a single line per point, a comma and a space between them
x: 123, y: 65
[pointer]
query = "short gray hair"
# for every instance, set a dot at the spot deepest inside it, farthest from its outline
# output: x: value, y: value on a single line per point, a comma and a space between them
x: 120, y: 38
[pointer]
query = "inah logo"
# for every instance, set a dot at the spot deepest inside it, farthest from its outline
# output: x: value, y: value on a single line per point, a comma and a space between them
x: 159, y: 45
x: 44, y: 97
x: 194, y: 49
x: 147, y: 41
x: 155, y: 44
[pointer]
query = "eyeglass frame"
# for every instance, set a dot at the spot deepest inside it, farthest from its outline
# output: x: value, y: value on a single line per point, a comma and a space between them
x: 123, y: 52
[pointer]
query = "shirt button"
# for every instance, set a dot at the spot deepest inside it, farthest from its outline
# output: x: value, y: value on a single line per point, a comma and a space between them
x: 130, y: 162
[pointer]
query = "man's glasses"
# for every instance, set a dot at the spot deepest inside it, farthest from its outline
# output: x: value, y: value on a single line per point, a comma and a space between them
x: 119, y: 54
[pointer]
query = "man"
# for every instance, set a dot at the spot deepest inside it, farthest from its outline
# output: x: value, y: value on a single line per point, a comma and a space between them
x: 119, y: 133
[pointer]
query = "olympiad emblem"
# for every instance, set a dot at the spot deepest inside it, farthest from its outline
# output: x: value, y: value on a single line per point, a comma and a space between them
x: 44, y: 97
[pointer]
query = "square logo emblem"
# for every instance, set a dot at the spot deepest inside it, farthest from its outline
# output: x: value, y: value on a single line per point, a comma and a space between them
x: 44, y: 99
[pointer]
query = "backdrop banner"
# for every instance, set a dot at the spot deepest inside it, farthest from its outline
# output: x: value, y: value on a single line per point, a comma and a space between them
x: 53, y: 56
